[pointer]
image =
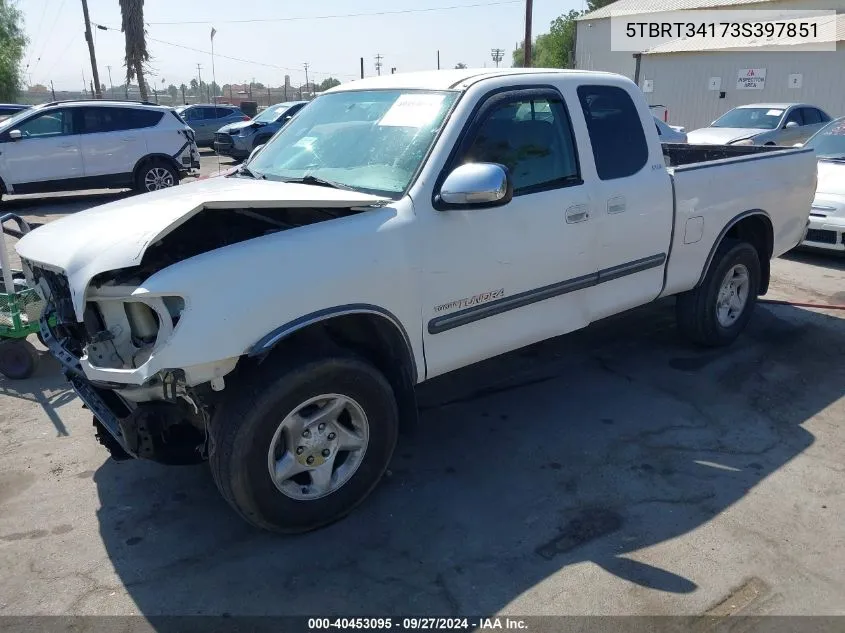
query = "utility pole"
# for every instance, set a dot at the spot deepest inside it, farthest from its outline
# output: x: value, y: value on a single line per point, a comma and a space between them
x: 268, y: 96
x: 378, y: 63
x: 526, y: 48
x: 53, y: 90
x: 111, y: 85
x: 89, y: 38
x: 497, y: 54
x: 393, y: 70
x: 183, y: 94
x: 438, y: 60
x: 306, y: 76
x: 199, y: 82
x: 362, y: 68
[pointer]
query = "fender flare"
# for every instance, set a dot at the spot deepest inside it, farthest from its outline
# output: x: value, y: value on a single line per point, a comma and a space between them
x: 733, y: 222
x: 266, y: 343
x: 148, y: 157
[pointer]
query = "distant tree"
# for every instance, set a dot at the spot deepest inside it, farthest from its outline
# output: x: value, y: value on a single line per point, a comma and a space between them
x: 137, y: 55
x: 555, y: 49
x: 259, y: 86
x: 173, y: 91
x: 38, y: 88
x: 194, y: 86
x: 460, y: 65
x: 12, y: 45
x: 329, y: 82
x: 593, y: 5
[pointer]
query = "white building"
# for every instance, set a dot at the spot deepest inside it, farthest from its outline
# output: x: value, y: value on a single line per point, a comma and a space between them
x: 696, y: 83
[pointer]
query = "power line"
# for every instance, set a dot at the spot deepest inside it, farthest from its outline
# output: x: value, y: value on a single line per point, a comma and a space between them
x: 37, y: 33
x: 47, y: 36
x: 344, y: 15
x: 239, y: 59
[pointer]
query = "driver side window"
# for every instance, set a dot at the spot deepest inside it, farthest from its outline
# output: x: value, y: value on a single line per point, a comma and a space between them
x: 532, y: 138
x: 794, y: 116
x: 47, y: 124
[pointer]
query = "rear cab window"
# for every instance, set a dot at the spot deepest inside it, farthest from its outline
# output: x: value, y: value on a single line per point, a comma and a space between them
x: 620, y: 148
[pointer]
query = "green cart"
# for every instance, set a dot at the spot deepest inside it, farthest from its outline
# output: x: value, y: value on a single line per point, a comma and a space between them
x: 20, y: 310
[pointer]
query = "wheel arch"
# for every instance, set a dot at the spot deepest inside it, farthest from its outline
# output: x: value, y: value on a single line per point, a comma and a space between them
x: 370, y: 331
x: 755, y: 227
x: 151, y: 157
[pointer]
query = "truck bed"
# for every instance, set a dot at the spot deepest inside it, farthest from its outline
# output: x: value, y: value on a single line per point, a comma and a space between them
x: 678, y: 154
x: 714, y: 185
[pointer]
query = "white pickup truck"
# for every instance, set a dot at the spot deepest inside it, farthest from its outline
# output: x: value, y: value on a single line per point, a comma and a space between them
x: 276, y: 320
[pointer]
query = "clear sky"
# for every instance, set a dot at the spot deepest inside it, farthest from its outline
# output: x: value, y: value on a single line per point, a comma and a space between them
x: 331, y: 46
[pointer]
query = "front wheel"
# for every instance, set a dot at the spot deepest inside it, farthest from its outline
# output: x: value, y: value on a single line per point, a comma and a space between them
x: 300, y: 446
x: 156, y: 175
x: 717, y: 311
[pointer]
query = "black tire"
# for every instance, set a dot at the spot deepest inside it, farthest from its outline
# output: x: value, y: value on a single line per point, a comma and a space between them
x: 696, y: 310
x: 243, y: 428
x: 18, y: 359
x: 156, y: 174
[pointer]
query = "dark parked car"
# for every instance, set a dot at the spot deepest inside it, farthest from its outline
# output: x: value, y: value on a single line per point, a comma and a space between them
x: 10, y: 109
x: 239, y: 139
x: 206, y: 119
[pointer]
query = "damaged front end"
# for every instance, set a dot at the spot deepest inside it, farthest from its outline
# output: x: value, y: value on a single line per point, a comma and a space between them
x: 123, y: 346
x: 163, y: 420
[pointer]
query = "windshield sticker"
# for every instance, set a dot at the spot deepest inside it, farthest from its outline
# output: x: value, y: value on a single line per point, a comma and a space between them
x: 774, y: 112
x: 306, y: 141
x: 412, y: 111
x: 484, y: 297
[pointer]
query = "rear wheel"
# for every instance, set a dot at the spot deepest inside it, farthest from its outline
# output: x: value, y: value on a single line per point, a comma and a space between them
x: 155, y: 175
x: 301, y: 445
x: 717, y: 311
x: 18, y: 359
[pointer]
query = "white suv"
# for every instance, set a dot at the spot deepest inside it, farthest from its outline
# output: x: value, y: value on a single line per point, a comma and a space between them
x: 74, y: 145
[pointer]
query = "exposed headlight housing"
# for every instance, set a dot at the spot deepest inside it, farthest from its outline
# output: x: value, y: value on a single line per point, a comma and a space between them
x: 744, y: 141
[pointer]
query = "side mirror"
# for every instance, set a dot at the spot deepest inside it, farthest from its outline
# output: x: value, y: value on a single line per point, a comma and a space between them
x: 15, y: 135
x: 477, y: 184
x: 254, y: 152
x: 790, y: 125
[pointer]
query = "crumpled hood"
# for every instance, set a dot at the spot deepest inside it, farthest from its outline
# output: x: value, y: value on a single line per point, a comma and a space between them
x: 720, y: 135
x: 232, y: 128
x: 116, y: 235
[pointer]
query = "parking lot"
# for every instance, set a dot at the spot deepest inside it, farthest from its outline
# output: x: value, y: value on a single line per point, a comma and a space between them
x: 613, y: 471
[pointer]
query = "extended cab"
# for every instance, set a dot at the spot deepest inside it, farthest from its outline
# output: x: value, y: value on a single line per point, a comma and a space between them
x: 276, y: 320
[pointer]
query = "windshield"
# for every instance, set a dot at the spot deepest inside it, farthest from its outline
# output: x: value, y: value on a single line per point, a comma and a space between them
x: 372, y: 141
x: 757, y: 118
x: 829, y: 142
x: 269, y: 115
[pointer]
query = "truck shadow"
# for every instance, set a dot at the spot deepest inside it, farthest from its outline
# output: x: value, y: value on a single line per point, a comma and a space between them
x: 583, y: 449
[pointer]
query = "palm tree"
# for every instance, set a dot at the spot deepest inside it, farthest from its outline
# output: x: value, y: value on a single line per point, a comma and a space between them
x: 132, y: 13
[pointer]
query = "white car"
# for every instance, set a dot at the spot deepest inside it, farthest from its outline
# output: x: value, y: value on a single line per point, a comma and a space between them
x: 669, y: 133
x: 72, y: 145
x: 276, y: 320
x: 827, y: 215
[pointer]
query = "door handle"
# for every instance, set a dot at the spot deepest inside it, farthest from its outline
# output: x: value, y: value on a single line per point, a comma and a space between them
x: 577, y: 213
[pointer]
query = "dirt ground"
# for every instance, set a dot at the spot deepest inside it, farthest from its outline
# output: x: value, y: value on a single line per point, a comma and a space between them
x: 616, y: 470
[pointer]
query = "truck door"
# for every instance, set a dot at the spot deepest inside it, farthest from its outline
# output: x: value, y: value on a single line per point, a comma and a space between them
x: 502, y: 277
x: 634, y: 199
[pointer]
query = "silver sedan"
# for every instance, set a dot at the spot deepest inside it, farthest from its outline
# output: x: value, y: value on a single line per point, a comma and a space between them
x: 762, y: 124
